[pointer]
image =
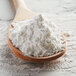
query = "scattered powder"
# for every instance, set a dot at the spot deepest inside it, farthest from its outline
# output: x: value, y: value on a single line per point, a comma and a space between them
x: 36, y: 37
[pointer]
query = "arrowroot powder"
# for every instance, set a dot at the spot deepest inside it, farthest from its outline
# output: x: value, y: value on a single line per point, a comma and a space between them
x: 36, y: 37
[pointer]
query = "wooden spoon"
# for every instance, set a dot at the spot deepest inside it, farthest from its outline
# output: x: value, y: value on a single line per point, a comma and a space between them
x: 23, y: 13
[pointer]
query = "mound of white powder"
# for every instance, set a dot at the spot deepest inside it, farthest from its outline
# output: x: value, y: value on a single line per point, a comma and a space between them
x: 36, y: 37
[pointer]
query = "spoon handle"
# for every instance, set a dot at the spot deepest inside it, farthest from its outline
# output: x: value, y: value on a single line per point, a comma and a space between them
x: 19, y: 4
x: 22, y: 12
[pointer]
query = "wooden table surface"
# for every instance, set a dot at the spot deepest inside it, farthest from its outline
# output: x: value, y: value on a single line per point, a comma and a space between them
x: 60, y: 12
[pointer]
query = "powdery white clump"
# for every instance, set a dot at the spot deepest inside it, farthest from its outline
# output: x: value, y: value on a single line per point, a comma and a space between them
x: 36, y: 37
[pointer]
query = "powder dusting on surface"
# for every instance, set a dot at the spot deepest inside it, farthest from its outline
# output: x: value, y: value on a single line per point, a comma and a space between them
x: 36, y: 37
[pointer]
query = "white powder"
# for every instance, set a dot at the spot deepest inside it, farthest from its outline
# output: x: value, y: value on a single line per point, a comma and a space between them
x: 36, y: 37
